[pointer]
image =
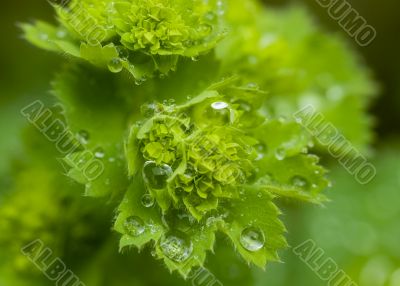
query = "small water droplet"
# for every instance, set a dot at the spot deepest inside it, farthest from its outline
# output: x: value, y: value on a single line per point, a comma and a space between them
x: 210, y: 16
x: 149, y: 110
x: 43, y: 36
x: 140, y: 81
x: 204, y: 29
x: 219, y: 105
x: 134, y: 226
x: 195, y: 59
x: 261, y: 150
x: 99, y: 153
x: 115, y: 65
x: 123, y: 52
x: 299, y: 182
x: 252, y: 239
x: 252, y: 85
x: 147, y: 200
x: 61, y: 34
x: 280, y: 154
x: 176, y: 247
x: 156, y: 176
x: 83, y: 136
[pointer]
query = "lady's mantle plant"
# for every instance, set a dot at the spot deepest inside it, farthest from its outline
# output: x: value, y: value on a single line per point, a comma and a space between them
x: 189, y: 106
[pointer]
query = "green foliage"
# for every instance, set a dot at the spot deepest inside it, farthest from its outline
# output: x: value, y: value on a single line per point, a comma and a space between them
x: 212, y: 146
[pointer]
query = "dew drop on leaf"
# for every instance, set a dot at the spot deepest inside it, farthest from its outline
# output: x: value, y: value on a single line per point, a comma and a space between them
x: 252, y: 85
x: 261, y: 150
x: 123, y: 52
x: 61, y: 34
x: 252, y: 239
x: 115, y: 65
x: 134, y: 226
x: 219, y: 105
x: 299, y: 182
x: 176, y: 247
x: 99, y: 153
x: 210, y: 16
x: 280, y: 154
x: 205, y: 29
x: 156, y: 176
x: 44, y: 37
x: 147, y: 200
x: 149, y: 110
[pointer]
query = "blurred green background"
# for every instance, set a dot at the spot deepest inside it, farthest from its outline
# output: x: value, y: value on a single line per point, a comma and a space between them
x: 359, y: 229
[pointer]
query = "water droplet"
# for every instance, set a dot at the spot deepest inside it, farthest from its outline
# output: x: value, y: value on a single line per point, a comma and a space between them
x: 123, y: 52
x: 176, y: 247
x: 140, y: 81
x: 156, y: 176
x: 261, y: 150
x: 252, y: 85
x: 147, y: 200
x: 210, y: 16
x: 149, y: 110
x: 252, y: 239
x: 280, y: 154
x: 61, y: 34
x: 169, y: 102
x: 115, y: 65
x: 195, y: 59
x: 134, y: 226
x: 185, y: 221
x: 43, y: 36
x: 205, y: 29
x: 299, y: 182
x: 219, y: 105
x: 99, y: 153
x: 83, y: 136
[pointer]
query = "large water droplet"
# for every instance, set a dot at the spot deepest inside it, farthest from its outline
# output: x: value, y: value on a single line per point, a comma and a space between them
x: 83, y: 136
x: 299, y: 182
x: 147, y: 200
x: 134, y: 225
x: 156, y: 176
x: 176, y: 247
x: 252, y: 239
x: 115, y: 65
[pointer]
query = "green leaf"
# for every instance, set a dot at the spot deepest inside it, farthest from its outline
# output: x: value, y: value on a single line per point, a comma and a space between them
x: 100, y: 124
x: 100, y: 56
x: 255, y: 211
x: 289, y: 170
x: 147, y: 218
